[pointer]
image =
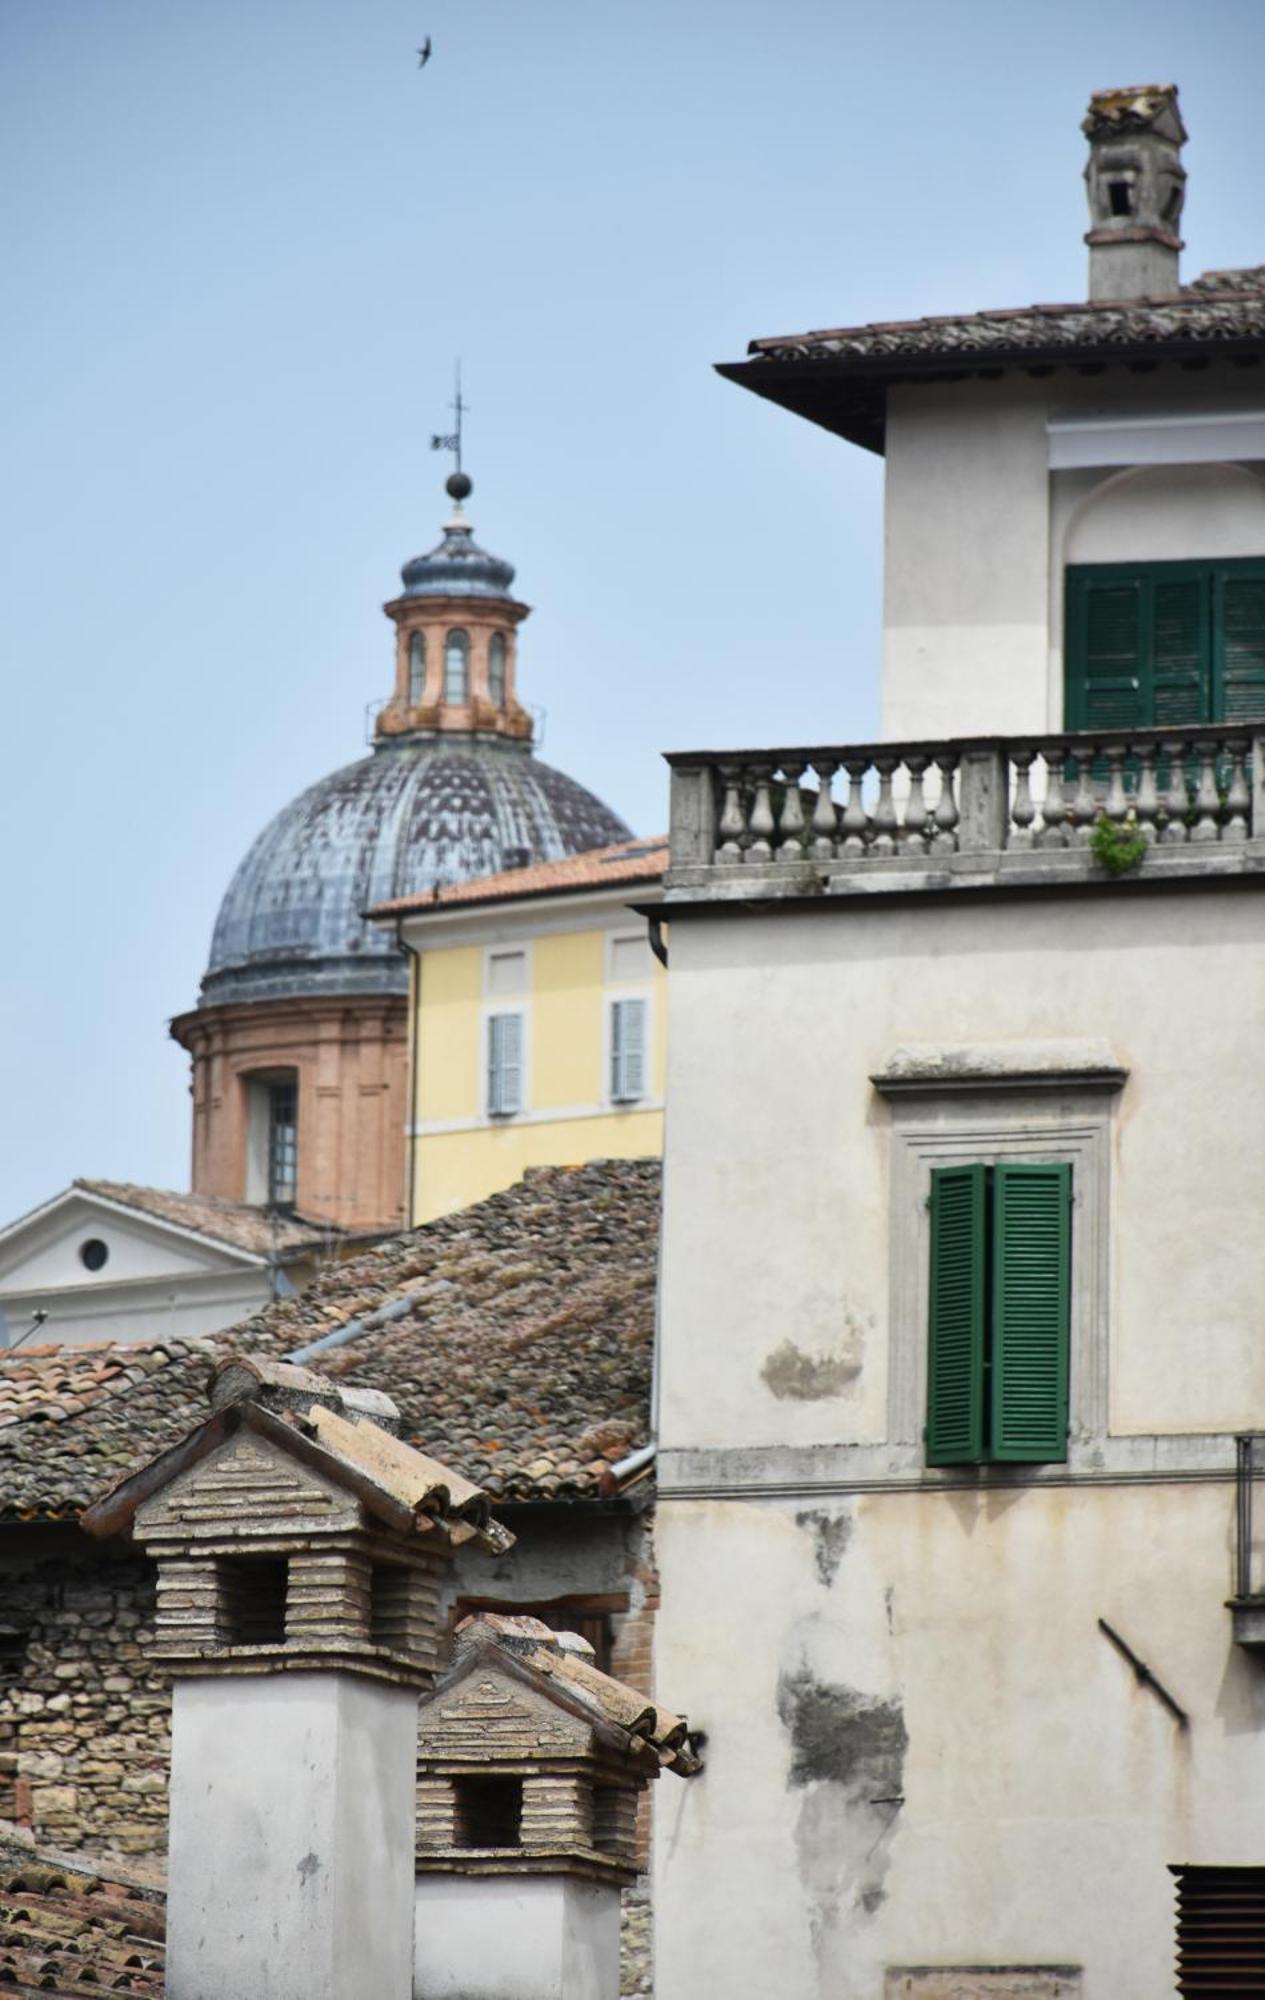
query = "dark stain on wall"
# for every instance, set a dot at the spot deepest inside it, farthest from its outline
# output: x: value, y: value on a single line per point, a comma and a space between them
x: 832, y: 1533
x: 842, y: 1737
x: 807, y: 1378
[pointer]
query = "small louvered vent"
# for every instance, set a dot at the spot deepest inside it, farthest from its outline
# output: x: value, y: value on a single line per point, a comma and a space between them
x: 1221, y: 1931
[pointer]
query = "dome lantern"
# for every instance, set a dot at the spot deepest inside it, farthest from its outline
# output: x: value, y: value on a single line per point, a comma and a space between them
x: 456, y: 650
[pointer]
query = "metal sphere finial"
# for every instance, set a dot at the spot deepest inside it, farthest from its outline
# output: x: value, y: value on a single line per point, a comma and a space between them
x: 459, y: 486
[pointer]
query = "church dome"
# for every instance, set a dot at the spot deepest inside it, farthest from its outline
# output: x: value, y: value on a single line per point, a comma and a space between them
x: 418, y: 813
x: 451, y: 790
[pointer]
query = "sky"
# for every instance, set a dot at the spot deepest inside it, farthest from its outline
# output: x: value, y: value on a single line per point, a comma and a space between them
x: 244, y: 242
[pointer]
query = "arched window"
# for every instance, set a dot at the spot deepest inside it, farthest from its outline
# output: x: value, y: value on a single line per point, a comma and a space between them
x: 457, y: 667
x: 496, y: 669
x: 416, y: 668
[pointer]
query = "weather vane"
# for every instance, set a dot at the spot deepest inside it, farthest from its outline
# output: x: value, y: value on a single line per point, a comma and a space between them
x: 451, y: 440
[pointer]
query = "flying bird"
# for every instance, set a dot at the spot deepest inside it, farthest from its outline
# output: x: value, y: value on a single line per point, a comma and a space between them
x: 423, y: 54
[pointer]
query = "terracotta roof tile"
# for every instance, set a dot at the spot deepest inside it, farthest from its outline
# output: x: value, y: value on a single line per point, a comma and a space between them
x: 233, y: 1222
x: 515, y: 1337
x: 627, y: 861
x: 1222, y: 305
x: 72, y: 1931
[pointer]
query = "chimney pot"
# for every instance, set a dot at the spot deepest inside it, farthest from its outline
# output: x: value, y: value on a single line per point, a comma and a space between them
x: 1136, y: 186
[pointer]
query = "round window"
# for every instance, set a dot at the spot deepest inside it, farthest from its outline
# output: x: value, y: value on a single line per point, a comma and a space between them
x: 93, y: 1254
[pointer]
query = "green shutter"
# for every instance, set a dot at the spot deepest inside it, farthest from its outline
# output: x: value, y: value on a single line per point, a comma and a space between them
x: 1181, y: 666
x: 1240, y: 641
x: 1032, y: 1233
x: 1106, y: 650
x: 955, y: 1372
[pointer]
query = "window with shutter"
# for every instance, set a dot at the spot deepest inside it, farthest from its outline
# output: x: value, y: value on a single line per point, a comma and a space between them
x: 1164, y: 645
x: 997, y: 1377
x: 505, y: 1065
x: 628, y: 1050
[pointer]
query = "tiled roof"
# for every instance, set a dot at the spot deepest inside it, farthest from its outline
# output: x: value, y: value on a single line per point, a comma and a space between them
x: 232, y: 1222
x: 69, y: 1930
x: 839, y: 377
x: 626, y: 861
x: 1222, y: 305
x: 515, y: 1336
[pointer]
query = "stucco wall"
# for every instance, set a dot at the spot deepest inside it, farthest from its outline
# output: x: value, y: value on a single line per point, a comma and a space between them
x: 922, y: 1750
x: 461, y: 1155
x: 777, y: 1245
x: 979, y: 528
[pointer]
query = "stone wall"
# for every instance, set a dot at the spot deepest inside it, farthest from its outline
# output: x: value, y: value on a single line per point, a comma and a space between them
x: 84, y: 1736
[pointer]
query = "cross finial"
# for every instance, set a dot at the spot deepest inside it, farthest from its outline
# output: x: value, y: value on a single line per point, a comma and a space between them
x: 451, y: 440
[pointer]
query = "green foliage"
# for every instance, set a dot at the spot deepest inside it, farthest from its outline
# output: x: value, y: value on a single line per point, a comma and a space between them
x: 1117, y: 848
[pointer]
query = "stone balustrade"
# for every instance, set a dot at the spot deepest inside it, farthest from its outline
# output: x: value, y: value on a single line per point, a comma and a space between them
x: 820, y: 818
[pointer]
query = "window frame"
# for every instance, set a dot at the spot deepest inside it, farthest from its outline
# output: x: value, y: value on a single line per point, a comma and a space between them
x: 619, y: 1095
x: 415, y: 660
x: 1068, y: 1119
x: 457, y: 636
x: 493, y: 1107
x: 498, y: 669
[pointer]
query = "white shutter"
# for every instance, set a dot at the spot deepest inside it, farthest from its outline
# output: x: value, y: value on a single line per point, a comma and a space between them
x: 628, y: 1050
x: 505, y: 1065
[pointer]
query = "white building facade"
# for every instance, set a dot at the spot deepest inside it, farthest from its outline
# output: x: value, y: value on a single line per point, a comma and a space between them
x: 963, y: 1265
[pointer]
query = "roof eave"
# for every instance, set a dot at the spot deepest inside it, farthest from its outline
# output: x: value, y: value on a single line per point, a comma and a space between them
x: 847, y: 394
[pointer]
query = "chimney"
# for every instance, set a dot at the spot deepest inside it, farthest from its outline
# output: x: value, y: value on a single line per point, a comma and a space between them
x: 531, y: 1763
x: 1136, y: 185
x: 301, y: 1550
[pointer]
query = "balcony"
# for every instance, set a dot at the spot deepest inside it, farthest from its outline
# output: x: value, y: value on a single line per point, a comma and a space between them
x: 967, y: 813
x: 1247, y: 1606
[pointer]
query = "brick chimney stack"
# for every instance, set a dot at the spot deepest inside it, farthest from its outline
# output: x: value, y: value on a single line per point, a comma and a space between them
x: 1136, y: 185
x: 300, y: 1549
x: 531, y: 1763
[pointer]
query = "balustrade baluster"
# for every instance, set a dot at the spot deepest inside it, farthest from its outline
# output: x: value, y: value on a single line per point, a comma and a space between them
x: 790, y: 846
x: 1176, y: 798
x: 1084, y: 809
x: 1207, y: 798
x: 884, y: 841
x: 1054, y: 808
x: 856, y: 825
x: 1116, y: 803
x: 824, y: 814
x: 917, y: 817
x: 1022, y: 811
x: 1238, y: 798
x: 1146, y: 800
x: 946, y: 815
x: 761, y: 820
x: 733, y: 820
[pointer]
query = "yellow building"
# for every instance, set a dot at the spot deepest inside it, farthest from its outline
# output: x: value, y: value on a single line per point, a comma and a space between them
x: 537, y: 1022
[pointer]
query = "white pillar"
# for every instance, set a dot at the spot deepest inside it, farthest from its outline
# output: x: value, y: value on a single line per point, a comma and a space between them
x: 515, y: 1937
x: 290, y: 1871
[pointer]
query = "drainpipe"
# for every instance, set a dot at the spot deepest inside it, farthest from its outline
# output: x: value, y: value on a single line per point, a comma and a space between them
x: 415, y: 1064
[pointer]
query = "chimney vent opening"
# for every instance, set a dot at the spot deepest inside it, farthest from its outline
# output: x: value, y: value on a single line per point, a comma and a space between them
x: 489, y: 1812
x: 252, y: 1593
x: 1121, y: 197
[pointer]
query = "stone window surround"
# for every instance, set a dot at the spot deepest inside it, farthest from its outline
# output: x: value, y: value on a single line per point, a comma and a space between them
x: 955, y: 1112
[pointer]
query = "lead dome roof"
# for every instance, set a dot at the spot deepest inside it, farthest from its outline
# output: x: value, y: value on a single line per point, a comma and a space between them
x: 416, y: 814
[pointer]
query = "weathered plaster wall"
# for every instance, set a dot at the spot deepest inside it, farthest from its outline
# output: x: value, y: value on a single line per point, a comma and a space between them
x: 922, y: 1751
x: 778, y: 1237
x: 515, y: 1938
x: 926, y: 1753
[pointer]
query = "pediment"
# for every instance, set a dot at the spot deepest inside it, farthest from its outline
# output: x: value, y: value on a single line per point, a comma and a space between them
x: 43, y: 1252
x: 491, y: 1713
x: 247, y: 1484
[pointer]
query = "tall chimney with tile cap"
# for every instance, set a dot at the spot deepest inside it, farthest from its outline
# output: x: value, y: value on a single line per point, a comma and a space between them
x: 1136, y: 185
x: 530, y: 1766
x: 300, y: 1549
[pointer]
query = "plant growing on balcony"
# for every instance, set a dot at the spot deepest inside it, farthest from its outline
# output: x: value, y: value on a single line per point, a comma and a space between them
x: 1117, y: 845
